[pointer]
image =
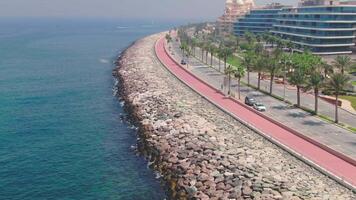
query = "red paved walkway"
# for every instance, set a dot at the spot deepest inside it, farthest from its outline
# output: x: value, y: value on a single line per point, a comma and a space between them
x: 319, y: 156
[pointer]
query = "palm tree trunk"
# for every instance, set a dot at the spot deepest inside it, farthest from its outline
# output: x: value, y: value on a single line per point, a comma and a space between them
x: 336, y: 108
x: 211, y: 58
x: 248, y: 75
x: 202, y: 55
x: 259, y: 81
x: 219, y: 64
x: 239, y: 91
x: 271, y: 84
x: 316, y: 93
x: 206, y: 57
x: 229, y: 91
x: 225, y: 59
x: 298, y: 96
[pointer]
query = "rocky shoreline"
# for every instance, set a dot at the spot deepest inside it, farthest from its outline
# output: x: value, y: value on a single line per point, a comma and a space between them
x: 201, y: 152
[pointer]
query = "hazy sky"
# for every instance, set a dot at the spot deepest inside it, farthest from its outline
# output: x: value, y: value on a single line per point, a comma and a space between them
x: 132, y: 9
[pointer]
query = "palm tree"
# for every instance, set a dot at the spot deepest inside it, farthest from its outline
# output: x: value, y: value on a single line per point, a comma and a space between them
x: 273, y: 65
x: 290, y: 45
x: 226, y: 52
x: 258, y: 38
x: 316, y: 82
x: 259, y: 66
x: 250, y: 37
x: 336, y: 84
x: 168, y: 38
x: 327, y: 69
x: 258, y: 48
x: 194, y: 44
x: 212, y: 50
x: 207, y: 48
x: 303, y: 64
x: 248, y: 59
x: 343, y: 63
x: 188, y: 54
x: 200, y: 45
x: 230, y: 42
x: 273, y: 39
x: 183, y: 46
x: 228, y: 72
x: 280, y: 43
x: 265, y: 37
x: 297, y: 78
x: 220, y: 55
x: 237, y: 40
x: 270, y: 39
x: 239, y: 72
x: 286, y: 62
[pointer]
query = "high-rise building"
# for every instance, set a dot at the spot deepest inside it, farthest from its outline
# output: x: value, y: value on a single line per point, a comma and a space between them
x: 233, y: 10
x: 258, y: 20
x: 325, y: 27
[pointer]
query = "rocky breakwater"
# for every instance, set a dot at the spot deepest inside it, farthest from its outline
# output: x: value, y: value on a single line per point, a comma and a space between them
x: 201, y: 152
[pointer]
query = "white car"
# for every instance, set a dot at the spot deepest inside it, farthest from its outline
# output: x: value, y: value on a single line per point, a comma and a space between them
x: 259, y: 107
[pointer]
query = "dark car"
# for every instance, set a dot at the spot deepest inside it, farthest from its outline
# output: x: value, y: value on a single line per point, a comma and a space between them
x: 183, y: 62
x: 250, y: 101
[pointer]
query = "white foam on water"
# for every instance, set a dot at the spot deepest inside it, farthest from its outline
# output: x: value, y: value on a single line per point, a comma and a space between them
x: 105, y: 61
x: 122, y: 27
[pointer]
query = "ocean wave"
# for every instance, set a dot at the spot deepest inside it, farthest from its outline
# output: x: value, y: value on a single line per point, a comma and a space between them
x: 105, y: 61
x: 122, y: 27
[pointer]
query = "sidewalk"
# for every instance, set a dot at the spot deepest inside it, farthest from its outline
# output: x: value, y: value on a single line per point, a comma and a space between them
x: 286, y: 139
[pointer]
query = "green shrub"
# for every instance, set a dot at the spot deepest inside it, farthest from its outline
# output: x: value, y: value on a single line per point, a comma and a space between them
x: 244, y: 46
x: 352, y: 129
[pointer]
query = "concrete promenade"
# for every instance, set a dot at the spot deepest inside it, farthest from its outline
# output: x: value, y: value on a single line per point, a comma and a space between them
x: 319, y: 156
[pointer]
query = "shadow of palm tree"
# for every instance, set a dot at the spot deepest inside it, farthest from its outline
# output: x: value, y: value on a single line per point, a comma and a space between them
x: 280, y: 107
x: 313, y: 123
x: 298, y: 114
x: 352, y: 143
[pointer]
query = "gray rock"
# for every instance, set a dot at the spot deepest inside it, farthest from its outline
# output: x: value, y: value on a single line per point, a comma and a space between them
x: 192, y: 190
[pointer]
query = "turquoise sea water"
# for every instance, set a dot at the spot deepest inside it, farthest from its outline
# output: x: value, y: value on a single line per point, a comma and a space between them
x: 61, y: 136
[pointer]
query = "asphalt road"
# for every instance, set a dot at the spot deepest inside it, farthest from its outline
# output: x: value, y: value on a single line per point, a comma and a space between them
x: 307, y: 99
x: 329, y: 134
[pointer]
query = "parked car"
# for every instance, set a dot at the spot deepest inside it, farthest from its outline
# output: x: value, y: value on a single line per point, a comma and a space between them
x: 259, y: 107
x: 183, y: 62
x: 250, y: 101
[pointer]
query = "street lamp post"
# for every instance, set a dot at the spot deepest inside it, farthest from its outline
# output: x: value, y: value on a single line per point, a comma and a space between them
x: 285, y: 78
x: 284, y: 83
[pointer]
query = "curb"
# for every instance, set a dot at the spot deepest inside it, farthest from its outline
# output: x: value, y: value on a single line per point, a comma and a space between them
x: 338, y: 179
